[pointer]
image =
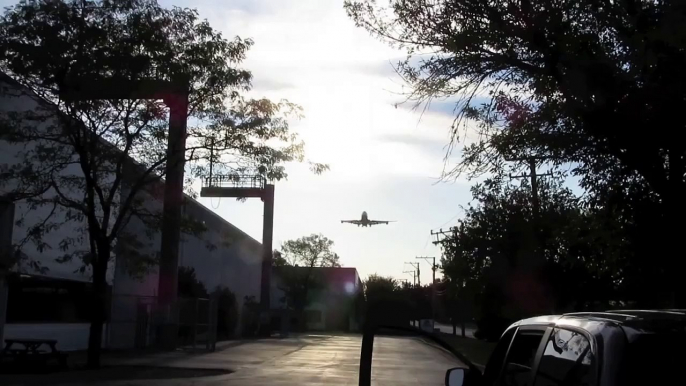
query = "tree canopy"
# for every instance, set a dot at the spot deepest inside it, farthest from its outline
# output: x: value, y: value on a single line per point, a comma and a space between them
x: 310, y: 251
x: 296, y: 265
x: 593, y: 87
x: 378, y: 287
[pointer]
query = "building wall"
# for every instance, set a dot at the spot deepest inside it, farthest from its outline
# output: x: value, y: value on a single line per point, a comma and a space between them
x: 222, y: 256
x: 13, y: 99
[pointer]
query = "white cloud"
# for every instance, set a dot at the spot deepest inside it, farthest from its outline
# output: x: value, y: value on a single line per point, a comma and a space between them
x: 383, y: 159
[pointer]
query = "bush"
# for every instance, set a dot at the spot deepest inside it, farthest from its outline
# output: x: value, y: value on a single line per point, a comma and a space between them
x: 227, y: 313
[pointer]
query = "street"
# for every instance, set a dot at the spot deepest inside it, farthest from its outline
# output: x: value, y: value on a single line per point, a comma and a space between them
x: 335, y: 361
x: 304, y: 360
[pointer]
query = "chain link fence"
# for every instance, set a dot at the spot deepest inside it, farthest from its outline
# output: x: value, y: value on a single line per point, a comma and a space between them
x: 136, y: 322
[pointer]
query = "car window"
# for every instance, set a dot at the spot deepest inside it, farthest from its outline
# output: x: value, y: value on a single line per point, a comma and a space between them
x: 495, y: 362
x: 520, y: 358
x: 567, y: 360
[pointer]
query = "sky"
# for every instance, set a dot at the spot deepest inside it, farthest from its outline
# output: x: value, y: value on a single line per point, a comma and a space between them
x: 384, y: 160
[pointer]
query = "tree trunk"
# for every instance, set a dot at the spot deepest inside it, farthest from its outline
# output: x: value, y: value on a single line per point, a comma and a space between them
x: 99, y: 301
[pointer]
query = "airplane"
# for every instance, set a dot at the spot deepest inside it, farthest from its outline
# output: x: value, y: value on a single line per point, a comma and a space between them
x: 365, y: 221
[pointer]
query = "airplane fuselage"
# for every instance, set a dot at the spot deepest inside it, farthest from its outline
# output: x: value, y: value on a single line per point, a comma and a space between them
x: 364, y: 221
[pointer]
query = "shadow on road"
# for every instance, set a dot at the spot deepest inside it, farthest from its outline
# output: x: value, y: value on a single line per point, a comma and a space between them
x: 108, y: 373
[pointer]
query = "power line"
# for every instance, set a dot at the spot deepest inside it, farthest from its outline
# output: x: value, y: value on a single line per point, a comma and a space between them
x: 416, y: 267
x: 414, y: 278
x: 440, y: 233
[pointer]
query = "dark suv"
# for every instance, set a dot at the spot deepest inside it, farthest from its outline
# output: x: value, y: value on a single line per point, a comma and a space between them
x: 590, y: 348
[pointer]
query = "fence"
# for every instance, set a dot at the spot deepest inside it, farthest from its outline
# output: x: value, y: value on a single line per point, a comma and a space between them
x: 136, y: 322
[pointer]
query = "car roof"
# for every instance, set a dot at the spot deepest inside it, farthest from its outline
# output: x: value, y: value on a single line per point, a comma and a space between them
x: 633, y: 322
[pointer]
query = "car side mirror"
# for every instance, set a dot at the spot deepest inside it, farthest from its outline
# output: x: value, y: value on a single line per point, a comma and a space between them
x: 455, y: 377
x: 459, y: 376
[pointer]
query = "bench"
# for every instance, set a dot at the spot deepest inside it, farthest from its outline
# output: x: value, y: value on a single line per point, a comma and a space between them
x: 31, y: 350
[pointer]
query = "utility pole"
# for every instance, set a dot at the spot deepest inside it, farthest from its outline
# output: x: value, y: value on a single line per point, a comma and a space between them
x: 414, y: 277
x: 433, y: 265
x: 536, y: 261
x: 452, y: 306
x: 416, y: 267
x: 440, y: 233
x: 433, y: 283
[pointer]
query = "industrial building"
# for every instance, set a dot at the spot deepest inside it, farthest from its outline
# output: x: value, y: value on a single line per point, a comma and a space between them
x: 47, y: 298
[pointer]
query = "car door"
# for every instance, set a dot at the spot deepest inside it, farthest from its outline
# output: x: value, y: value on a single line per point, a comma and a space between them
x: 568, y: 360
x: 522, y: 355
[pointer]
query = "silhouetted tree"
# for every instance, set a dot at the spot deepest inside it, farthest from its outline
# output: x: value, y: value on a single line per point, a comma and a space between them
x: 189, y: 285
x: 378, y: 287
x: 298, y: 276
x: 227, y: 312
x: 483, y: 256
x: 580, y: 82
x: 91, y: 161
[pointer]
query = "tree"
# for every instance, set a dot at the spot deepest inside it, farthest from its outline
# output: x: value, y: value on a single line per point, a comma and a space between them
x: 576, y: 81
x: 189, y: 285
x: 298, y: 276
x: 310, y: 251
x: 227, y: 312
x: 378, y: 287
x: 93, y: 162
x: 582, y: 249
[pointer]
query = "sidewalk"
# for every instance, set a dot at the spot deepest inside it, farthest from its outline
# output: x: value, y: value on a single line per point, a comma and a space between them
x: 229, y: 355
x: 170, y: 367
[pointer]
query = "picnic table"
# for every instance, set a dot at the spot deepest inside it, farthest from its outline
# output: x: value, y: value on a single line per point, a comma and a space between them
x: 31, y: 350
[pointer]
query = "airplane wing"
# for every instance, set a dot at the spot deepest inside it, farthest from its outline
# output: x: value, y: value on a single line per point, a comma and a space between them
x: 356, y: 222
x: 377, y: 222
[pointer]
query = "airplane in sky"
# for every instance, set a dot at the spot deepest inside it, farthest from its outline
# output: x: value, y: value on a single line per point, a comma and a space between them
x: 365, y: 221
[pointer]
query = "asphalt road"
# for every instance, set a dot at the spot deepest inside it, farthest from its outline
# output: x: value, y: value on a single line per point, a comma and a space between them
x: 398, y: 361
x: 298, y: 361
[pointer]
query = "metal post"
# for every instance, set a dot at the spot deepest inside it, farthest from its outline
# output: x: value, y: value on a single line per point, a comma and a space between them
x: 267, y: 235
x: 171, y: 224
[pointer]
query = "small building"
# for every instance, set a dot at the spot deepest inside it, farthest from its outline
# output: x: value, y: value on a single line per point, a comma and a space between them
x: 333, y: 303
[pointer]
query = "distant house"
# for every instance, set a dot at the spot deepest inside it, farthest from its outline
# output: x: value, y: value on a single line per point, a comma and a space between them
x: 333, y: 301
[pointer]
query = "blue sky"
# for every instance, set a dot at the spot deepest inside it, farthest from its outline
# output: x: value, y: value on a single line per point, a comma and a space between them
x: 383, y: 159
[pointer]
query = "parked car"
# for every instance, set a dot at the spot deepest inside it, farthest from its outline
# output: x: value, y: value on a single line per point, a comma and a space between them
x: 628, y: 347
x: 613, y: 348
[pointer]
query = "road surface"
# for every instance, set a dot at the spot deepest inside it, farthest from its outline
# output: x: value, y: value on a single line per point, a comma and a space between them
x: 400, y: 361
x: 303, y: 360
